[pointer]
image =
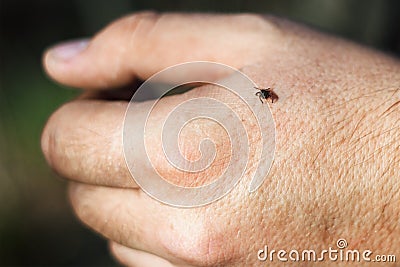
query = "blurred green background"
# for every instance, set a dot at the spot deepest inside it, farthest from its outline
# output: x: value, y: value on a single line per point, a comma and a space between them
x: 37, y: 226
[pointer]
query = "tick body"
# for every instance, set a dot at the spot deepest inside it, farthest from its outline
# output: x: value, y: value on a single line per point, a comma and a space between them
x: 265, y: 94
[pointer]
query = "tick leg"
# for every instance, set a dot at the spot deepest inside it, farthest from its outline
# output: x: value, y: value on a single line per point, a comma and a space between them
x: 259, y: 94
x: 259, y: 97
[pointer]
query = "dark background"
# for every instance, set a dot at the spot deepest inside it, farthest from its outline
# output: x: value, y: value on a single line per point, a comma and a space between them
x: 37, y: 226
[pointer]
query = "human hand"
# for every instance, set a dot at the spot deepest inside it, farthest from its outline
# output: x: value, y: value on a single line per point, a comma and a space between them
x: 335, y: 171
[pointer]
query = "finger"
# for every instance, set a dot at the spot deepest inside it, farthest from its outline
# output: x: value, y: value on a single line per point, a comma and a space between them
x: 131, y: 218
x: 83, y: 141
x: 133, y: 257
x: 144, y: 43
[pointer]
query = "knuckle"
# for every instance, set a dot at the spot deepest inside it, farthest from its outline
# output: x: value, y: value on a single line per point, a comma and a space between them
x: 251, y: 19
x: 132, y: 26
x: 61, y: 142
x: 80, y: 197
x: 76, y: 194
x: 260, y: 24
x: 83, y: 144
x: 118, y: 252
x: 51, y: 138
x: 115, y: 251
x: 130, y: 33
x: 90, y: 207
x: 47, y: 144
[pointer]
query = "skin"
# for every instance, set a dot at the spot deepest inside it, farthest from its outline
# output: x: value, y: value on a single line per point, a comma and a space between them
x: 335, y: 172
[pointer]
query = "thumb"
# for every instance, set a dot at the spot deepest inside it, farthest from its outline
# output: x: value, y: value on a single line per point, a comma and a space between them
x: 142, y: 44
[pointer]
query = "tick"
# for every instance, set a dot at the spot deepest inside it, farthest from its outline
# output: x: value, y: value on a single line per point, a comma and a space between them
x: 265, y: 94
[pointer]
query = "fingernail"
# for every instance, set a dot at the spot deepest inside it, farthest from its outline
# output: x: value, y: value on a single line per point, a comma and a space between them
x: 68, y: 50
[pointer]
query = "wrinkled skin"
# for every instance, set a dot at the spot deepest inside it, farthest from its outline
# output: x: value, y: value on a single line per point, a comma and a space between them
x: 336, y: 167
